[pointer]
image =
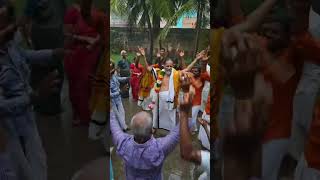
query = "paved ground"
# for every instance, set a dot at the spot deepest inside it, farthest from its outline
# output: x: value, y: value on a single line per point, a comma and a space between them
x: 68, y: 148
x: 71, y: 154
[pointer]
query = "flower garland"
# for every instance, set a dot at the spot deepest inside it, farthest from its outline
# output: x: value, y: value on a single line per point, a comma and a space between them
x: 159, y: 81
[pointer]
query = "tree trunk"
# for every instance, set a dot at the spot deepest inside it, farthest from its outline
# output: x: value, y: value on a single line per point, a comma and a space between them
x: 213, y: 5
x: 160, y: 44
x: 198, y: 27
x: 156, y: 20
x: 150, y: 60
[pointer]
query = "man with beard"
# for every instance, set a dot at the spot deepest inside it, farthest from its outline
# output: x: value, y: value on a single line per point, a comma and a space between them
x: 198, y: 79
x: 166, y: 91
x: 161, y: 56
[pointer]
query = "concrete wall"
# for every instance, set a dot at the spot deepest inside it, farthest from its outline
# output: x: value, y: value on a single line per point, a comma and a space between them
x: 123, y: 38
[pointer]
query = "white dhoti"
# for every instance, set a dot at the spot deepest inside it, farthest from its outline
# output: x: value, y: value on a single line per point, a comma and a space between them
x: 167, y: 118
x: 202, y: 132
x: 145, y: 102
x: 204, y: 95
x: 195, y: 111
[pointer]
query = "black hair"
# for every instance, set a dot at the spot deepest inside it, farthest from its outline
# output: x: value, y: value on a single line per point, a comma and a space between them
x: 163, y: 49
x: 167, y: 59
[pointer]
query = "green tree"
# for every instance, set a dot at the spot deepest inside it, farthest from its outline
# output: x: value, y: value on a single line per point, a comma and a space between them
x: 149, y: 13
x: 201, y: 7
x: 143, y: 13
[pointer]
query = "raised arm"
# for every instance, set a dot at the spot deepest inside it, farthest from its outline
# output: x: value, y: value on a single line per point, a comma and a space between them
x: 117, y: 134
x: 181, y: 60
x: 186, y: 149
x: 198, y: 57
x: 143, y: 56
x: 169, y: 142
x: 256, y: 17
x: 243, y: 80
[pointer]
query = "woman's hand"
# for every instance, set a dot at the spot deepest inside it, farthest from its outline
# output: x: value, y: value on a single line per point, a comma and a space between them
x: 142, y: 51
x: 92, y: 41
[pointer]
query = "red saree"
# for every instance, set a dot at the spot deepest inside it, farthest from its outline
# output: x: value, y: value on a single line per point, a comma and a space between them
x: 80, y: 64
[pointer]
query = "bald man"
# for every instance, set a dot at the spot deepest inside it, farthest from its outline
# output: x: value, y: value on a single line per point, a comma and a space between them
x: 143, y: 155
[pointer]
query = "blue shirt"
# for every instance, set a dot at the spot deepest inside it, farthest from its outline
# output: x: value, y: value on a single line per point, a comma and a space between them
x: 15, y: 90
x: 115, y: 87
x: 124, y: 64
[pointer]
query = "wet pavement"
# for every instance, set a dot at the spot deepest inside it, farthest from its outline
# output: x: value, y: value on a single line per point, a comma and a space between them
x: 70, y: 154
x: 68, y: 148
x: 174, y: 167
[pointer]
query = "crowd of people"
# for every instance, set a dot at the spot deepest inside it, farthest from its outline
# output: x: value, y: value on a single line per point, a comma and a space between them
x: 167, y: 92
x: 35, y: 51
x: 267, y: 56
